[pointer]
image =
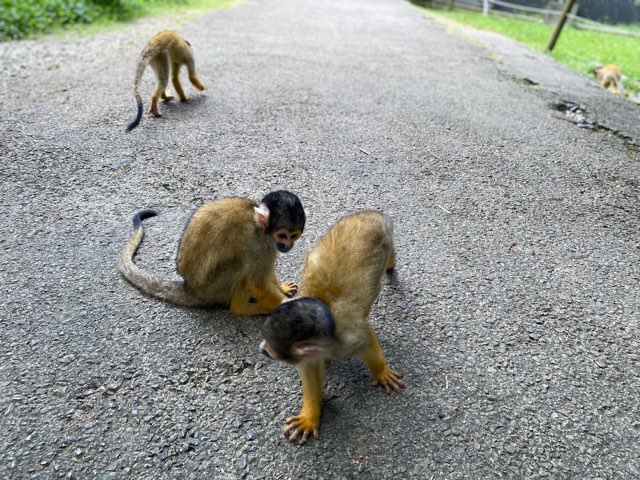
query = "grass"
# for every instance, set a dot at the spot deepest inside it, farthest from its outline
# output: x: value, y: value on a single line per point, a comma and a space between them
x: 29, y: 18
x: 579, y: 49
x: 186, y: 9
x: 198, y: 6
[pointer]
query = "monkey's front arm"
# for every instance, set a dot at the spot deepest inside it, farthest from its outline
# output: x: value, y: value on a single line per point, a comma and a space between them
x: 308, y: 420
x: 288, y: 288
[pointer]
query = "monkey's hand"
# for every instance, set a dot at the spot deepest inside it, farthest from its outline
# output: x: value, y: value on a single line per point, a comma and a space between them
x: 289, y: 289
x: 390, y: 380
x: 301, y: 424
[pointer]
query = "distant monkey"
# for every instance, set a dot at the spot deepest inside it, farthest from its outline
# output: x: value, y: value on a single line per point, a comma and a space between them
x: 610, y: 77
x: 227, y: 254
x: 165, y: 52
x: 341, y: 279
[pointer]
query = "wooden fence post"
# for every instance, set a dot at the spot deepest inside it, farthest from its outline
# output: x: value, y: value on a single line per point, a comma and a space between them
x: 560, y: 24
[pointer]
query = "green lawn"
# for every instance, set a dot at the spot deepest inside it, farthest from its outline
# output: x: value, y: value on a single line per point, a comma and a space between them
x: 579, y: 49
x: 25, y: 18
x: 155, y: 7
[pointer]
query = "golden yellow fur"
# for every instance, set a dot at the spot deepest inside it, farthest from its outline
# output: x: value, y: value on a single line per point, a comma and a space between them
x: 225, y: 258
x: 165, y: 53
x: 610, y: 77
x: 345, y: 272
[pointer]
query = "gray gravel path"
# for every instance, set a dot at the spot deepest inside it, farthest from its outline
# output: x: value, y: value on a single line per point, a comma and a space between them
x: 513, y: 314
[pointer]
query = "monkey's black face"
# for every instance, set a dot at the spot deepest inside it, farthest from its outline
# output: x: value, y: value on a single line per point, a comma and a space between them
x: 285, y: 212
x: 269, y: 352
x: 297, y: 330
x: 283, y: 247
x: 264, y: 349
x: 284, y: 239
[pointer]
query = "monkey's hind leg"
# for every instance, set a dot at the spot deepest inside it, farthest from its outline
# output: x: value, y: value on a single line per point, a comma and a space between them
x: 382, y: 374
x: 249, y: 300
x: 175, y: 80
x: 193, y: 77
x: 160, y: 65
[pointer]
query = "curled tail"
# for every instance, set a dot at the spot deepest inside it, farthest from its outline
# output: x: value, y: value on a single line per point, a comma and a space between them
x: 167, y: 290
x: 146, y: 55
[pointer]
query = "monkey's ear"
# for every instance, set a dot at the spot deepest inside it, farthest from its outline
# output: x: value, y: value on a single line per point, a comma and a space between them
x: 306, y: 349
x: 261, y: 216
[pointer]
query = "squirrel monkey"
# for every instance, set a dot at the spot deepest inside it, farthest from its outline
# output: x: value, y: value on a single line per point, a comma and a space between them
x: 166, y: 51
x: 226, y: 255
x: 610, y: 77
x: 341, y: 279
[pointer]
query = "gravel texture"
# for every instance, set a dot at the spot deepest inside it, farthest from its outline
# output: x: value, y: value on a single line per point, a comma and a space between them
x: 513, y: 314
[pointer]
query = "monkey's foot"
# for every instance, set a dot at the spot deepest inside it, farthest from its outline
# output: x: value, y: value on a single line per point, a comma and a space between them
x: 197, y: 83
x: 166, y: 96
x: 301, y: 424
x: 289, y: 289
x: 154, y: 112
x: 391, y: 381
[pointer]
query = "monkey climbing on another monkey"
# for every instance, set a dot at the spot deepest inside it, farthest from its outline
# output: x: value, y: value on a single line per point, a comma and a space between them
x: 166, y: 52
x: 341, y: 279
x: 226, y: 255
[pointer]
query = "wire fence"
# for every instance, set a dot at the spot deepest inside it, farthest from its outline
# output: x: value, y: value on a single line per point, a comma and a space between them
x: 625, y: 13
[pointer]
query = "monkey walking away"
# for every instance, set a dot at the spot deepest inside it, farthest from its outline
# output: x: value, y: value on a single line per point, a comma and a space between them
x: 165, y: 52
x: 341, y: 279
x: 226, y: 255
x: 610, y: 77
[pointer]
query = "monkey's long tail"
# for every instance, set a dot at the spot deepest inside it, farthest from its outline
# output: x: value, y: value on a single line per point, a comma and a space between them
x: 136, y: 120
x: 167, y: 290
x: 147, y: 53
